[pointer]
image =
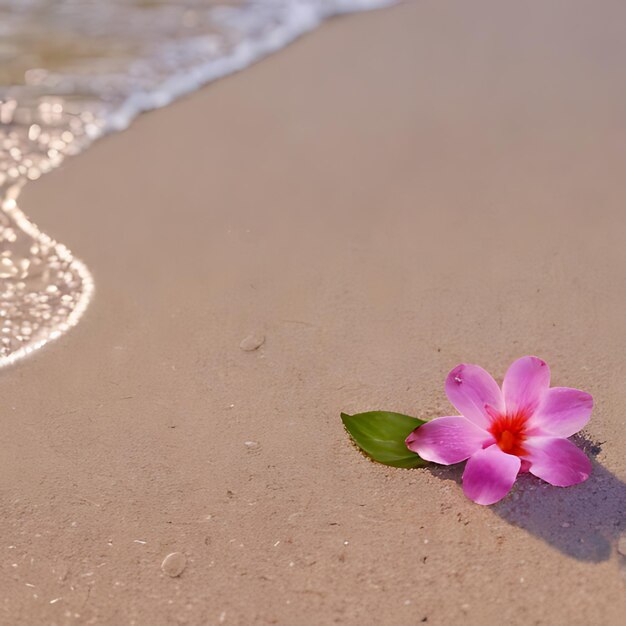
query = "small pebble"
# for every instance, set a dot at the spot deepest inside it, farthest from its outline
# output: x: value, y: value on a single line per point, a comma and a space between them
x: 621, y: 545
x: 174, y: 564
x: 252, y: 342
x: 251, y: 445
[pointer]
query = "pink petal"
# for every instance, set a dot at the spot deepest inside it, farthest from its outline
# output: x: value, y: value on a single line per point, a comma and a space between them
x: 474, y: 393
x: 447, y: 440
x: 557, y: 461
x: 525, y: 383
x: 562, y: 412
x: 489, y: 475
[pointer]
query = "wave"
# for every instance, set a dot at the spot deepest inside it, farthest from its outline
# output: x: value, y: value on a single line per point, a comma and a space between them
x: 71, y: 71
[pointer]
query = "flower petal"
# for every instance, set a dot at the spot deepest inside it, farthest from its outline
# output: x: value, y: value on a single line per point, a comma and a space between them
x: 474, y: 393
x: 525, y: 383
x: 489, y: 475
x: 562, y: 412
x: 447, y: 440
x: 557, y: 461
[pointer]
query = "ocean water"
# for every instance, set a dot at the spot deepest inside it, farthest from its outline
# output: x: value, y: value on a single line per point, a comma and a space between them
x: 72, y: 70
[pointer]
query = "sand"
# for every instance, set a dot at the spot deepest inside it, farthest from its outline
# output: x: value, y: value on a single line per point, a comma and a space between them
x: 396, y: 193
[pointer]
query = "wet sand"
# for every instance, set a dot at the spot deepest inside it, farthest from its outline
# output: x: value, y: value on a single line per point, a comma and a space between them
x: 398, y: 192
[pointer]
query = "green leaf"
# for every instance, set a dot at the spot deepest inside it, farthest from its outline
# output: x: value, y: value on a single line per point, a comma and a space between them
x: 381, y: 435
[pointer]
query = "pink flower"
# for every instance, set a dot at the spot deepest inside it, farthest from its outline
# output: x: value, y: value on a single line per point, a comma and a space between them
x: 523, y: 427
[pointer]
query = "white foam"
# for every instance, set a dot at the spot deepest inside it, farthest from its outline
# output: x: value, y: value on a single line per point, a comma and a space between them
x: 166, y: 66
x: 302, y: 17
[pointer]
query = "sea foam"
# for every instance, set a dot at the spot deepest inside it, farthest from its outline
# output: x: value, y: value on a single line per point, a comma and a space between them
x: 71, y: 71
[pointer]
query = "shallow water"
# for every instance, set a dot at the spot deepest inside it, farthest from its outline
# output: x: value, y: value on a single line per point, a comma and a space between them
x: 71, y: 70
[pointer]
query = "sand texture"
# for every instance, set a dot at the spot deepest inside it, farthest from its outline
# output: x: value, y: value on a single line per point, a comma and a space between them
x: 396, y: 193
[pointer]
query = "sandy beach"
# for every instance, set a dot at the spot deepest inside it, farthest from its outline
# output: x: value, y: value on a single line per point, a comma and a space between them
x: 396, y: 193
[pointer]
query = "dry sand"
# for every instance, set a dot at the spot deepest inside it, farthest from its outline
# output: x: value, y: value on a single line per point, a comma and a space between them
x: 394, y: 194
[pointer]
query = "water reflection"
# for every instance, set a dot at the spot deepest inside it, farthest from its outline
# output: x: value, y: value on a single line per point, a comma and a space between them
x: 71, y: 70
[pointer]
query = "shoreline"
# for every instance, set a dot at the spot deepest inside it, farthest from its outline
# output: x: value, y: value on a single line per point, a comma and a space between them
x: 297, y: 21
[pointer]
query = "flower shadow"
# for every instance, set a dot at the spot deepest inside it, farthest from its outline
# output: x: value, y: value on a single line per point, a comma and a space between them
x: 583, y: 522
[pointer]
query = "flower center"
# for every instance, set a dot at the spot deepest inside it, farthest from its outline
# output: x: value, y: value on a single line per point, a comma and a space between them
x: 510, y: 433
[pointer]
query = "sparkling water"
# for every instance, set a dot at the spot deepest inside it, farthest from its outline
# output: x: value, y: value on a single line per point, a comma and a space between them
x: 71, y: 70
